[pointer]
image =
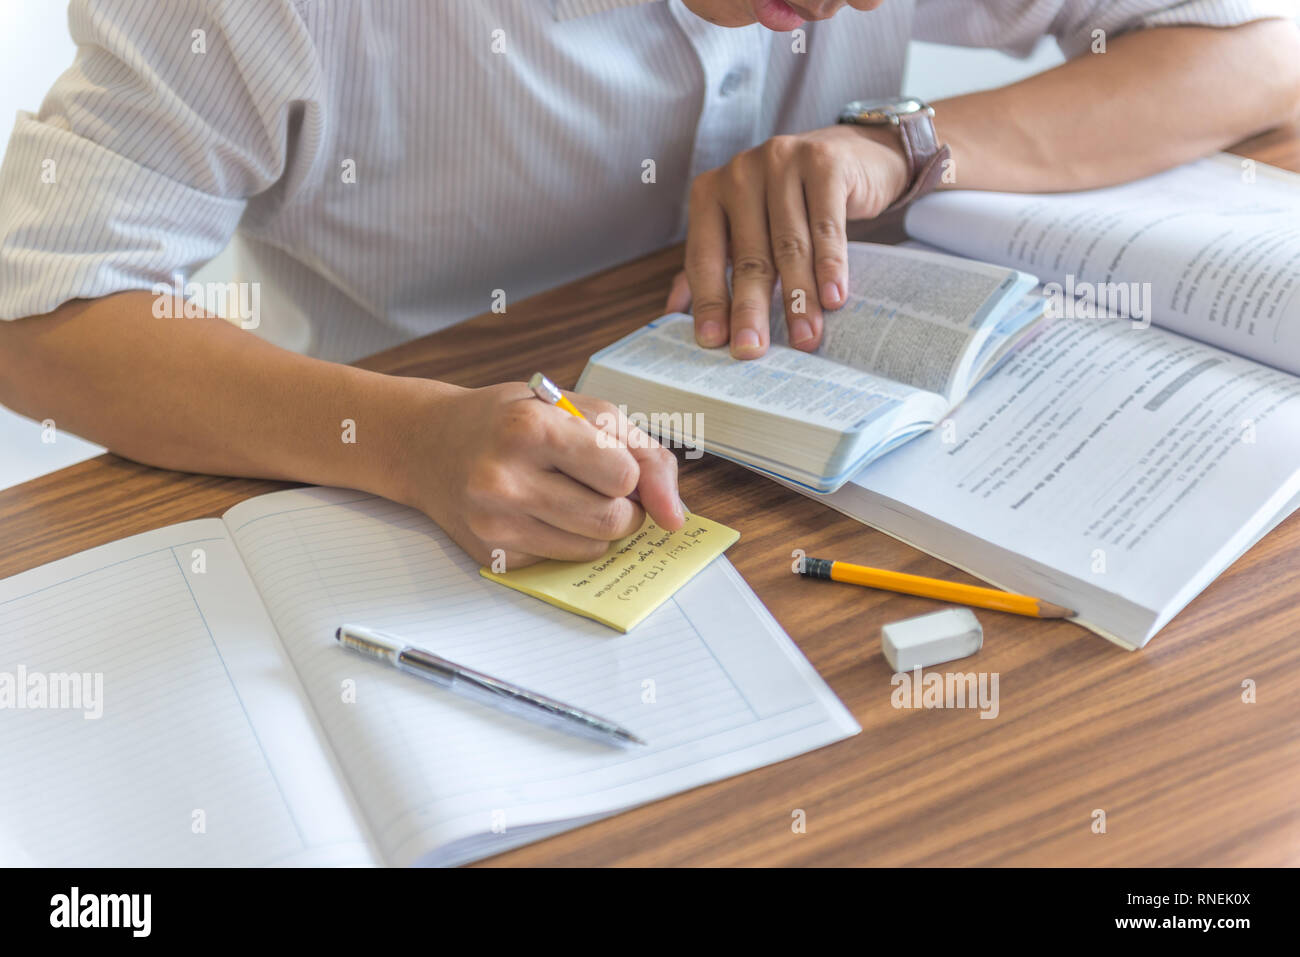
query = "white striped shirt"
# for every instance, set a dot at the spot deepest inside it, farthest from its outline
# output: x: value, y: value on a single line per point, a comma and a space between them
x: 391, y: 166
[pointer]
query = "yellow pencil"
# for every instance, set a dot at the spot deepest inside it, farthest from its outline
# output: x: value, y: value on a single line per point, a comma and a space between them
x: 931, y: 588
x: 549, y: 392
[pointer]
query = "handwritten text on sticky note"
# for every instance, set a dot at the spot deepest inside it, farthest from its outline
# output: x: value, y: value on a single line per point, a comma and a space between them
x: 633, y: 578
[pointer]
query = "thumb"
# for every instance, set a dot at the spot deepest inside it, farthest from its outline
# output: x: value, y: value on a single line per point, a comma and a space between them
x: 679, y: 296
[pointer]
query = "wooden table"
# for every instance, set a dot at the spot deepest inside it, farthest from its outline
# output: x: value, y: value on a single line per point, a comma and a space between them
x: 1160, y: 739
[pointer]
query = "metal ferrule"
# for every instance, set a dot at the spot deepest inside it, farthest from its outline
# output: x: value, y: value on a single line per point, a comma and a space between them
x: 375, y: 644
x: 816, y: 568
x: 544, y: 388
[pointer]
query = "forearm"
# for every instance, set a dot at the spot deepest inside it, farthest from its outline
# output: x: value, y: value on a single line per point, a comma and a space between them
x: 1138, y: 108
x: 201, y: 395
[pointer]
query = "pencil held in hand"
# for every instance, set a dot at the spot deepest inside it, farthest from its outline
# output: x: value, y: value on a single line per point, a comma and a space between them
x: 975, y: 595
x: 549, y: 392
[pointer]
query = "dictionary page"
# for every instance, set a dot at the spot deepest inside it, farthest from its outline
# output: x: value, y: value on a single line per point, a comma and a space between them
x: 157, y: 721
x: 805, y: 388
x: 709, y: 680
x: 799, y: 416
x: 1113, y: 470
x: 1210, y: 250
x: 913, y: 316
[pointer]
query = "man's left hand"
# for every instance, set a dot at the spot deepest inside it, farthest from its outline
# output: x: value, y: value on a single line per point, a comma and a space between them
x: 780, y: 209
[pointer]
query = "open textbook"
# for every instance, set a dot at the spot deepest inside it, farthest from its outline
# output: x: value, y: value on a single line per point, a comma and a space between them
x: 918, y: 330
x: 183, y: 701
x: 1210, y: 250
x: 1108, y: 466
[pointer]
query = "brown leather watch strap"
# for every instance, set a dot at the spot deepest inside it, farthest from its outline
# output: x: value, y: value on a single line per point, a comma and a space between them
x: 925, y: 156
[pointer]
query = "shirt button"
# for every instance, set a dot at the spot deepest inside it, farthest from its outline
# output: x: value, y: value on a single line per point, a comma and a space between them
x: 732, y: 82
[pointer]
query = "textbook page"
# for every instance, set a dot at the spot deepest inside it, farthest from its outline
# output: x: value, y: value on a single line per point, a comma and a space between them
x: 1210, y: 249
x: 912, y: 316
x: 190, y: 742
x: 1113, y: 470
x: 708, y: 679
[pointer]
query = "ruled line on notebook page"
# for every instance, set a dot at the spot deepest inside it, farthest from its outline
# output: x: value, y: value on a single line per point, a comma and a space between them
x: 172, y: 732
x: 708, y: 679
x: 174, y: 771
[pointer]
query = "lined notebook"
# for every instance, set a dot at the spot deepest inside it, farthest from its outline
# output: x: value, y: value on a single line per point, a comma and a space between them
x: 234, y: 731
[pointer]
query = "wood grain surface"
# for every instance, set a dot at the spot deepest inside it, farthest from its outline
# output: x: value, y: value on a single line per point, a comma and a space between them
x: 1160, y: 739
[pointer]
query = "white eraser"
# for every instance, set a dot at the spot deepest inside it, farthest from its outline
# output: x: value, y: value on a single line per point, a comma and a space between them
x: 931, y: 639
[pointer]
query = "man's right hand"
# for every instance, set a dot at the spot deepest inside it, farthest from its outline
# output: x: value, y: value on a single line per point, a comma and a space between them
x: 496, y: 467
x: 499, y: 469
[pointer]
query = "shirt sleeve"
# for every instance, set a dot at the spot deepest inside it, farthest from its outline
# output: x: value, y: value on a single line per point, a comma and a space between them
x: 145, y: 151
x: 1015, y: 26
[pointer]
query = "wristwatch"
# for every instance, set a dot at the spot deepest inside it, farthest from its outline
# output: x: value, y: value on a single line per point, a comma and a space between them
x: 915, y: 123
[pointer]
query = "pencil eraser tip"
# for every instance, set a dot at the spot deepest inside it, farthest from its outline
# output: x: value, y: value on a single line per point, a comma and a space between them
x: 931, y: 639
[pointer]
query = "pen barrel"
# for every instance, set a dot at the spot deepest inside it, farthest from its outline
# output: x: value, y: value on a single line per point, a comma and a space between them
x: 435, y: 669
x: 503, y: 695
x: 537, y: 708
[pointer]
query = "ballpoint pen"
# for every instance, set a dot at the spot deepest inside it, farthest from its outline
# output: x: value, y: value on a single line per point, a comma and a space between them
x: 484, y: 688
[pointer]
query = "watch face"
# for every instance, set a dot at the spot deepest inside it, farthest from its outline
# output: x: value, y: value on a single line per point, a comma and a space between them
x: 883, y: 111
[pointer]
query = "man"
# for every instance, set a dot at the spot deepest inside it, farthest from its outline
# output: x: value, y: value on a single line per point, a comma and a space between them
x: 394, y: 167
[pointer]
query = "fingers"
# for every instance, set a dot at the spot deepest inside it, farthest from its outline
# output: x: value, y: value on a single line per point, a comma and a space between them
x: 550, y: 491
x: 792, y: 248
x: 613, y: 458
x: 827, y: 202
x: 778, y: 209
x: 523, y: 539
x: 588, y: 451
x: 752, y: 272
x: 679, y: 296
x: 706, y: 263
x: 656, y: 485
x: 541, y: 483
x: 562, y: 503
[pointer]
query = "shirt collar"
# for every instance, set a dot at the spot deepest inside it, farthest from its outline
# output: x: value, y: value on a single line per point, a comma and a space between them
x: 571, y: 9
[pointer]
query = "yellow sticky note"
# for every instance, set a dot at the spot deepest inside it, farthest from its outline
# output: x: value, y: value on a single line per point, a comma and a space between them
x: 637, y: 575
